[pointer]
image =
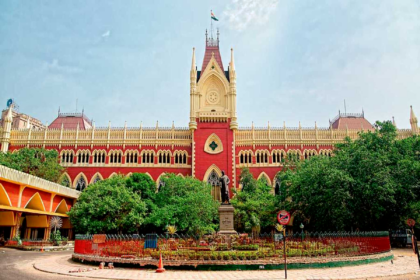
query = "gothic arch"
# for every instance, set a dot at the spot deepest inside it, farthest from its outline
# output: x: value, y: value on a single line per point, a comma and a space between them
x: 92, y: 180
x: 263, y: 174
x: 211, y: 77
x: 275, y: 182
x: 180, y: 175
x: 215, y: 148
x: 4, y: 197
x: 81, y: 174
x: 210, y: 169
x: 148, y: 174
x: 158, y: 180
x: 112, y: 175
x: 62, y: 207
x: 35, y: 203
x: 65, y: 175
x: 128, y: 174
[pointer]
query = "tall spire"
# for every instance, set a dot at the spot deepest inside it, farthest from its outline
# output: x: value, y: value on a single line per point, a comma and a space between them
x: 232, y: 61
x: 413, y: 121
x: 7, y: 127
x: 193, y: 61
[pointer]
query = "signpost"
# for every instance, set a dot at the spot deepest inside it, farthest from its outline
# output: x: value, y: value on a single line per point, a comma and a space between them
x: 283, y: 217
x: 411, y: 223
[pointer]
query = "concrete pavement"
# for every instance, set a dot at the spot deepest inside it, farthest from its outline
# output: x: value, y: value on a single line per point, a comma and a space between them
x: 15, y: 264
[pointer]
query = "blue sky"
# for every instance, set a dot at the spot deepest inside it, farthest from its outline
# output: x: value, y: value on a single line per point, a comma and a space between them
x: 130, y: 60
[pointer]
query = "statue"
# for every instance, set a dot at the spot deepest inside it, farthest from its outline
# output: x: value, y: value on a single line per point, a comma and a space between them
x: 224, y: 190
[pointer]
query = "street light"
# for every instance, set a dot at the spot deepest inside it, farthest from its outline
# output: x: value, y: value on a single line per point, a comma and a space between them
x: 301, y: 227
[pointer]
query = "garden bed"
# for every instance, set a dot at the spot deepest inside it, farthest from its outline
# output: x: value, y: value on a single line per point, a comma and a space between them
x: 268, y: 263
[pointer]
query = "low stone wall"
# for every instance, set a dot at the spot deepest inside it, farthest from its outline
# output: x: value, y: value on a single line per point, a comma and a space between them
x: 273, y: 263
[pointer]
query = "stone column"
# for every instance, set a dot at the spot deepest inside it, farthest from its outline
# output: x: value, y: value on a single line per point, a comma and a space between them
x: 226, y: 219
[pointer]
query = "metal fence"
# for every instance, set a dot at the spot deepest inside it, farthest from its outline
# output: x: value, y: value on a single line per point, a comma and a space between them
x: 234, y: 247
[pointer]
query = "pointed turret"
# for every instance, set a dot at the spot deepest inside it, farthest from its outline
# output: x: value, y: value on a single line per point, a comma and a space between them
x: 393, y: 122
x: 413, y: 122
x: 7, y: 128
x: 232, y: 94
x: 193, y: 89
x: 232, y: 61
x: 193, y: 61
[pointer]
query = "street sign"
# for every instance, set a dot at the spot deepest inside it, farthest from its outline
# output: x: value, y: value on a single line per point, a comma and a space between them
x: 283, y: 217
x: 411, y: 223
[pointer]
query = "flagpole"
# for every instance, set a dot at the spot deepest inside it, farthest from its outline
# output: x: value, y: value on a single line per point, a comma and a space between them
x: 211, y: 25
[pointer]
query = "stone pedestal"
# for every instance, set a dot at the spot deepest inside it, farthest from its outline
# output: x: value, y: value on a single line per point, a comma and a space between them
x: 226, y: 219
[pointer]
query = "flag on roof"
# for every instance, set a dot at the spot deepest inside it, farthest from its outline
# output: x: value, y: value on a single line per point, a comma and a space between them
x: 213, y: 17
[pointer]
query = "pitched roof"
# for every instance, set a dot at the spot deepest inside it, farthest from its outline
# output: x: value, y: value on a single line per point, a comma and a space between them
x: 351, y: 121
x: 212, y: 47
x: 70, y: 121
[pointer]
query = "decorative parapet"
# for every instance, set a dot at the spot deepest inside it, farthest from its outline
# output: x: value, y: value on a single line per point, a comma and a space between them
x: 21, y: 178
x: 102, y: 137
x: 299, y: 136
x: 213, y: 116
x: 348, y: 115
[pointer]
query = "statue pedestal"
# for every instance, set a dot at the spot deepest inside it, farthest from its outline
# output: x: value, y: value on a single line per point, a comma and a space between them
x: 226, y: 219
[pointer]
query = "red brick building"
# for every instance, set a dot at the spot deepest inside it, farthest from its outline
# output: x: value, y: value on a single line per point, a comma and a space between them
x: 212, y: 142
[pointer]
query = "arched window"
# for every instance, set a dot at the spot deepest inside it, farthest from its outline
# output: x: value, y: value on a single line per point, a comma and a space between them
x: 65, y: 181
x: 148, y: 157
x: 213, y: 178
x: 245, y: 157
x: 277, y: 187
x: 99, y: 156
x: 96, y: 179
x: 67, y: 157
x: 131, y: 157
x: 164, y: 157
x: 180, y: 157
x: 81, y: 184
x: 115, y: 156
x: 83, y: 156
x: 261, y: 156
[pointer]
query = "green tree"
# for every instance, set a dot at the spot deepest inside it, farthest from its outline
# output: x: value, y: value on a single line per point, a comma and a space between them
x: 255, y: 205
x: 108, y: 206
x: 371, y: 183
x: 185, y: 203
x: 38, y: 162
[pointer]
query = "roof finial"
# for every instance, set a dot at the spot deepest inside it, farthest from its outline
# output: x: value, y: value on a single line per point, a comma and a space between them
x: 393, y: 121
x: 59, y: 110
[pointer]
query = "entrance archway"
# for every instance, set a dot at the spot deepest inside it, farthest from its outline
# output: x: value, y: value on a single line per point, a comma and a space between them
x: 212, y: 177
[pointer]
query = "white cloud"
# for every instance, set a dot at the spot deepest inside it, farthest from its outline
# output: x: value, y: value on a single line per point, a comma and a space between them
x: 241, y: 13
x: 106, y: 34
x: 55, y: 66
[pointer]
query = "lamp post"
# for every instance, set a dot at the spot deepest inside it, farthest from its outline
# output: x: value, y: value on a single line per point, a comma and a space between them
x: 301, y: 227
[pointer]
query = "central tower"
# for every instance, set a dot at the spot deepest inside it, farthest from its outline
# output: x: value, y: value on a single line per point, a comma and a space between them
x: 213, y: 90
x: 213, y: 118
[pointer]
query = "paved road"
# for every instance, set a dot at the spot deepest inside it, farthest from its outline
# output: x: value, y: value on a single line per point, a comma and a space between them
x: 16, y: 265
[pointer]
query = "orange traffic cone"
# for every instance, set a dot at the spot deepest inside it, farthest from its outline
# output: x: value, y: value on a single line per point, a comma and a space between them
x: 42, y: 249
x: 160, y: 268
